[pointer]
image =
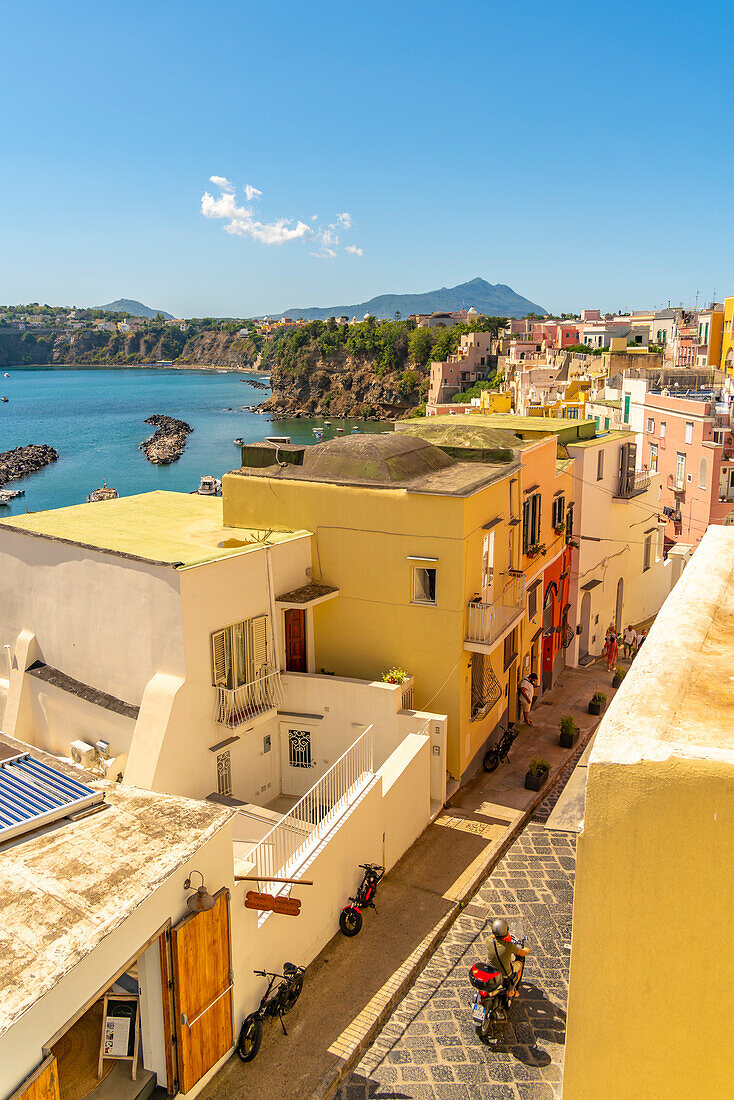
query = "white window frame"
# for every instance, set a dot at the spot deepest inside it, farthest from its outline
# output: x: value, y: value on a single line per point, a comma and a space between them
x: 689, y: 431
x: 418, y: 588
x: 653, y: 460
x: 662, y: 428
x: 650, y: 426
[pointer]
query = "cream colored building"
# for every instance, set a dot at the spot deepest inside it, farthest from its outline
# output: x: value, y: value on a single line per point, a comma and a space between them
x: 652, y: 972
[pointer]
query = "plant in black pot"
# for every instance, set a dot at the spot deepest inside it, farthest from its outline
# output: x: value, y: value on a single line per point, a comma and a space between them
x: 598, y: 702
x: 537, y: 774
x: 569, y: 732
x: 619, y: 675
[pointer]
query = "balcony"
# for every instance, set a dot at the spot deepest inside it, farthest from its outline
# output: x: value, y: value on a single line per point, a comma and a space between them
x: 488, y: 622
x: 632, y: 485
x: 237, y: 706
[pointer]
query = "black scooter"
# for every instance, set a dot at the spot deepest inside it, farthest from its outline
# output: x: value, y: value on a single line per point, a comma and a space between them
x: 501, y: 751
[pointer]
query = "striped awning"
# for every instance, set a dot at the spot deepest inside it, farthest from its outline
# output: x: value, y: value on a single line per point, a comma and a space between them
x: 34, y: 794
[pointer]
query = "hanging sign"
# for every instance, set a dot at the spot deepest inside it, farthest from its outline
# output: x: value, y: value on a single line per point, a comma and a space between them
x: 269, y: 903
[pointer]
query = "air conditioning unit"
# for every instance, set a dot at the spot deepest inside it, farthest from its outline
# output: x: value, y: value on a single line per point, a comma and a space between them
x: 83, y: 753
x: 115, y: 767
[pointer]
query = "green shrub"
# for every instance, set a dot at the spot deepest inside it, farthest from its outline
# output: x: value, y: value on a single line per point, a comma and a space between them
x: 538, y: 766
x: 568, y: 726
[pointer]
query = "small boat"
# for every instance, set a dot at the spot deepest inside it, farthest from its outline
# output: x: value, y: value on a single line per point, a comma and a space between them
x: 340, y: 429
x: 239, y: 442
x: 355, y: 430
x: 105, y: 492
x: 327, y: 423
x: 209, y: 486
x: 6, y: 375
x: 3, y: 399
x: 11, y: 494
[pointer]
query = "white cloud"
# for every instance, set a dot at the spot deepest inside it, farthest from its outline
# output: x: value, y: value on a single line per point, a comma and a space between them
x: 223, y: 182
x: 241, y: 222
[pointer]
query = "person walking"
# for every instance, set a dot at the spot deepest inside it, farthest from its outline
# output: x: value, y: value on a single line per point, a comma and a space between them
x: 611, y: 648
x: 630, y: 641
x: 527, y: 695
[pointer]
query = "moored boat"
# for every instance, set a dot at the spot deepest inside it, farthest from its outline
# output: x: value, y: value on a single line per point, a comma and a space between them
x: 105, y: 492
x: 209, y: 486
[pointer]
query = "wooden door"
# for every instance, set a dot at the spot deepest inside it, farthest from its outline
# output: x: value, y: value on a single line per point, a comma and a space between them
x: 295, y: 640
x: 202, y: 991
x: 43, y: 1083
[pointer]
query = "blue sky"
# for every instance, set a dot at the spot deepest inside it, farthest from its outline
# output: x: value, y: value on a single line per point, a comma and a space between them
x: 579, y: 153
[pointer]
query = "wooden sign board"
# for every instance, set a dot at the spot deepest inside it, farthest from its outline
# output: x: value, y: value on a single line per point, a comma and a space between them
x: 268, y: 903
x: 120, y: 1030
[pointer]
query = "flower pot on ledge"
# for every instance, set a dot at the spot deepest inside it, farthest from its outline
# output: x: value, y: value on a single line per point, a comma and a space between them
x: 533, y: 782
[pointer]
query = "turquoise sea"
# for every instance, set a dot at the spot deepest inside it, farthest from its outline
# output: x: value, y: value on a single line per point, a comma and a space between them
x: 94, y: 419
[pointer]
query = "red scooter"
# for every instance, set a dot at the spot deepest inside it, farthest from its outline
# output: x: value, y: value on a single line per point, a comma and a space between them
x: 350, y: 919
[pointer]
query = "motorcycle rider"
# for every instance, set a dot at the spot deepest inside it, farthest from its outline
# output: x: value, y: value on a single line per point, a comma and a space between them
x: 503, y: 953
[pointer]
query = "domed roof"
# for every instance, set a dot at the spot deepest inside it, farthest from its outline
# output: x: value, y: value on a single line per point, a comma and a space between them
x: 471, y: 312
x: 372, y: 457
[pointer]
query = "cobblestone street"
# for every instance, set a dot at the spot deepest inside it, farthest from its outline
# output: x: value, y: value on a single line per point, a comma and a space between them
x: 428, y: 1050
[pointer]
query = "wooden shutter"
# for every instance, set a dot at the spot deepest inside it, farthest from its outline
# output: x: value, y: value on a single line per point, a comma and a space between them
x: 258, y: 634
x: 219, y: 658
x: 202, y: 991
x: 526, y: 523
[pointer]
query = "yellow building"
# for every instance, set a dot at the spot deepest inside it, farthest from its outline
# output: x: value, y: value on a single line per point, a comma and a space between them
x: 493, y: 401
x: 652, y: 972
x: 727, y: 337
x: 425, y: 551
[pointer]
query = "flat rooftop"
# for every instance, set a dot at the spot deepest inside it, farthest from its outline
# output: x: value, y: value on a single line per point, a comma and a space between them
x: 601, y: 437
x: 677, y: 700
x: 63, y: 890
x: 524, y: 427
x: 166, y: 528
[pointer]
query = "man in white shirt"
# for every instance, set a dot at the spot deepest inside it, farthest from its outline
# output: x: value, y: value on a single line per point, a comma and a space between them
x: 630, y: 641
x: 527, y: 694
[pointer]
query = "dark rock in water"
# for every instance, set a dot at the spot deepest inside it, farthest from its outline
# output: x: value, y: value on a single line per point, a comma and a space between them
x: 167, y: 442
x: 22, y: 461
x: 254, y: 382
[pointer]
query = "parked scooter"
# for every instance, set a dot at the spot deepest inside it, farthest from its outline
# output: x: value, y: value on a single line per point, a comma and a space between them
x: 492, y: 1001
x: 271, y: 1005
x: 501, y: 751
x: 350, y: 918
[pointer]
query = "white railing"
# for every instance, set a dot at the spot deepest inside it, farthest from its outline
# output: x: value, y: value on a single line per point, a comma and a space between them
x: 237, y: 706
x: 487, y: 621
x: 407, y: 699
x: 310, y: 819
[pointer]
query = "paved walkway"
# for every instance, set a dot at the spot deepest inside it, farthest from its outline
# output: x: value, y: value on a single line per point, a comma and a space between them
x: 428, y: 1050
x: 353, y: 985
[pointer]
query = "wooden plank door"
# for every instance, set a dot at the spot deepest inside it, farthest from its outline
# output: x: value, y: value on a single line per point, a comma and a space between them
x: 295, y: 640
x: 43, y: 1083
x: 202, y: 991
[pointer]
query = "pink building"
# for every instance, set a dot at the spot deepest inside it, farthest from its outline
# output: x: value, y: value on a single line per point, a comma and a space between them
x: 590, y: 315
x: 692, y: 447
x: 473, y: 362
x: 566, y: 335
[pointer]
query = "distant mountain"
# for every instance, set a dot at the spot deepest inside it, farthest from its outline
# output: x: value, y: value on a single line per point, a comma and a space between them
x: 495, y: 300
x: 134, y: 309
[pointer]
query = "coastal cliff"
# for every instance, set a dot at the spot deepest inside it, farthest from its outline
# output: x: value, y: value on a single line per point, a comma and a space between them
x: 207, y: 348
x: 347, y: 388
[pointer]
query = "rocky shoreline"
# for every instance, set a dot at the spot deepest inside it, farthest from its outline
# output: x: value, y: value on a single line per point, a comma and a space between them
x: 167, y: 443
x: 23, y: 461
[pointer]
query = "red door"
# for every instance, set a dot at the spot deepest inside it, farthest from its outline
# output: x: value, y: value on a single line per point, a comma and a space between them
x: 295, y: 640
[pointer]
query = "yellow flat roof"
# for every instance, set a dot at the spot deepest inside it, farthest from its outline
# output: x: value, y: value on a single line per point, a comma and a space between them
x: 171, y: 528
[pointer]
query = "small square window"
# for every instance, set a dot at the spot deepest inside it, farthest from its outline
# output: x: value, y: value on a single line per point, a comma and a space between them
x: 650, y: 424
x: 424, y: 585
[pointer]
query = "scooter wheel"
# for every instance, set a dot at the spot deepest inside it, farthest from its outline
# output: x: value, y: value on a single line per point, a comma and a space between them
x: 250, y: 1037
x: 350, y: 921
x: 491, y: 762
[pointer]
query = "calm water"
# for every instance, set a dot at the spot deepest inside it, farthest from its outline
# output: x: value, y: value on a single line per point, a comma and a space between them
x: 94, y: 419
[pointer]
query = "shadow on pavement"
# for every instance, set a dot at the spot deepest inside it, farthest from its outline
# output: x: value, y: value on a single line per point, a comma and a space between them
x: 535, y: 1017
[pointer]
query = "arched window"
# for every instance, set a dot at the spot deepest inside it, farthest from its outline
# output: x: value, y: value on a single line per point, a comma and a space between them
x: 702, y: 474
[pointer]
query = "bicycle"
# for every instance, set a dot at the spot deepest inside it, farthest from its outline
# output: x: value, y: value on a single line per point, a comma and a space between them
x: 350, y: 918
x: 279, y: 1004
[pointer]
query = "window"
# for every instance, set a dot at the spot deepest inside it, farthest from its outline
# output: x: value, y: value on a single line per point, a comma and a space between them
x: 650, y: 424
x: 680, y: 470
x: 606, y: 423
x: 647, y: 555
x: 531, y: 522
x: 662, y: 429
x: 719, y: 434
x: 689, y: 431
x: 241, y: 653
x: 510, y: 648
x: 533, y: 602
x: 224, y: 773
x: 559, y: 508
x: 299, y: 748
x: 424, y: 585
x: 569, y: 522
x: 653, y: 457
x: 488, y: 561
x: 702, y: 474
x: 600, y: 465
x: 627, y: 400
x: 485, y: 687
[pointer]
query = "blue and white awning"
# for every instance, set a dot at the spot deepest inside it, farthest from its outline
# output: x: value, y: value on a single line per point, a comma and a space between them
x: 33, y: 794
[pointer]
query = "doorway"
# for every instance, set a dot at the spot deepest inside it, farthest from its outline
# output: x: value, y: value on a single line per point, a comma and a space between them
x: 585, y: 624
x: 620, y: 604
x: 548, y: 640
x: 295, y: 640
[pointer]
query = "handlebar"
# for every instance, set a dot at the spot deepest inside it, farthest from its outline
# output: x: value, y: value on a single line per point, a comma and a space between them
x: 267, y: 974
x: 370, y: 867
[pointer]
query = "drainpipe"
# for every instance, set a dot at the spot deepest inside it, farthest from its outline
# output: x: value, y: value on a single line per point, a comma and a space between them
x: 273, y: 609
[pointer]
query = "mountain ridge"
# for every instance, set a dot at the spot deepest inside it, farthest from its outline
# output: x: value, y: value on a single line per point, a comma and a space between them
x: 497, y: 300
x: 134, y: 308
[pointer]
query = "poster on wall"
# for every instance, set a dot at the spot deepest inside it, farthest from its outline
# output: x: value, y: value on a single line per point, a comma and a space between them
x: 120, y: 1030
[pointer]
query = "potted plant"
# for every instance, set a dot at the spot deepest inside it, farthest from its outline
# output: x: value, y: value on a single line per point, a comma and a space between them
x: 560, y: 528
x: 536, y: 549
x: 394, y: 676
x: 569, y: 732
x: 537, y: 774
x: 598, y: 702
x: 619, y: 675
x: 572, y: 543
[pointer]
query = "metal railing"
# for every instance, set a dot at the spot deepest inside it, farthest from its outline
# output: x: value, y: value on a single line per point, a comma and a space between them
x: 487, y: 621
x: 631, y: 485
x: 407, y: 700
x: 236, y: 706
x: 310, y: 819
